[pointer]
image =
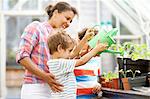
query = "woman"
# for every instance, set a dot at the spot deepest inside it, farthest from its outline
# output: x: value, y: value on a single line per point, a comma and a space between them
x: 33, y: 52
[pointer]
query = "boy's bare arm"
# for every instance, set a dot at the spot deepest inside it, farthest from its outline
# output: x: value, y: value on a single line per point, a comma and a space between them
x: 89, y: 55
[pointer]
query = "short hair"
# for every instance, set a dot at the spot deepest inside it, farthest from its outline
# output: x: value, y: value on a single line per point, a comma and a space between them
x: 59, y: 38
x: 61, y: 7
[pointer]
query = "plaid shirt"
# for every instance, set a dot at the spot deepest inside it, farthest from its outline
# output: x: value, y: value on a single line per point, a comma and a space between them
x: 33, y: 44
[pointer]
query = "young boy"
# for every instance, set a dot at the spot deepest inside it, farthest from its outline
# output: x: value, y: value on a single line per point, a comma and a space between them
x: 87, y: 75
x: 60, y: 47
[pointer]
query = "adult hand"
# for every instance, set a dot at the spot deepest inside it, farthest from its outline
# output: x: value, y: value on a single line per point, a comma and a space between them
x: 97, y: 88
x: 55, y: 86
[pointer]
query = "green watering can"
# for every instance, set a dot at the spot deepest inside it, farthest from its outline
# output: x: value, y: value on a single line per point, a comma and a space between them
x: 105, y: 37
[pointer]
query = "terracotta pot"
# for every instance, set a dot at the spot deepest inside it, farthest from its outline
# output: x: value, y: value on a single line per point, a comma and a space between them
x: 109, y: 84
x: 126, y: 84
x: 102, y: 79
x: 115, y: 83
x: 104, y: 84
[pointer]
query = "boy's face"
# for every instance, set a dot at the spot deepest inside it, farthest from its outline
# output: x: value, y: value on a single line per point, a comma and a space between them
x: 66, y: 53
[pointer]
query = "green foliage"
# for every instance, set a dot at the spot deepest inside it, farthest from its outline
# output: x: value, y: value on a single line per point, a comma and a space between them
x: 110, y: 75
x: 133, y: 51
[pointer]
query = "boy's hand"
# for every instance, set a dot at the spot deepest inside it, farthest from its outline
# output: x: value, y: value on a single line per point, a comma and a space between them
x: 97, y: 88
x: 54, y: 85
x: 101, y: 46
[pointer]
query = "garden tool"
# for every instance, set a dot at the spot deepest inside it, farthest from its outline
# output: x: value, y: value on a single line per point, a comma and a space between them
x: 105, y: 37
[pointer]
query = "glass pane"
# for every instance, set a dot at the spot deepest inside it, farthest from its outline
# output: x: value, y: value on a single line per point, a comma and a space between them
x: 87, y: 13
x: 30, y: 5
x: 9, y: 4
x: 14, y: 28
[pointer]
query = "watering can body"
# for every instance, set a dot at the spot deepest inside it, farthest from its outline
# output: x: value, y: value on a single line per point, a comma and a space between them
x: 105, y: 37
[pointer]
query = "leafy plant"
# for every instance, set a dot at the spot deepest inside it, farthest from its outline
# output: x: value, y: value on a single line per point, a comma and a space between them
x: 133, y: 51
x: 110, y: 75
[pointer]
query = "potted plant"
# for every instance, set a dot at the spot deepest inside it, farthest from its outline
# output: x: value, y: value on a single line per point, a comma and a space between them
x: 124, y: 79
x: 135, y: 57
x: 136, y: 81
x: 110, y: 80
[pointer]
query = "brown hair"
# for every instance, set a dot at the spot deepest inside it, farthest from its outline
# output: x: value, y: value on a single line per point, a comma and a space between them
x: 59, y: 38
x: 61, y: 7
x: 82, y: 33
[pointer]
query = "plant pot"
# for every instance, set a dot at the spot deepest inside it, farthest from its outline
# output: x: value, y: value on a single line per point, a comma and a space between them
x: 137, y: 81
x: 142, y: 65
x: 109, y: 84
x: 126, y: 84
x: 102, y: 79
x: 104, y: 84
x: 115, y: 83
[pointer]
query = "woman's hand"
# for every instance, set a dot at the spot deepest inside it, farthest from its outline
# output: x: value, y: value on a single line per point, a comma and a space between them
x: 97, y: 88
x: 54, y: 85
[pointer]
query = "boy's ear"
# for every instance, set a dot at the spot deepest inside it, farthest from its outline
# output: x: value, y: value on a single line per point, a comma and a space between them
x: 59, y: 48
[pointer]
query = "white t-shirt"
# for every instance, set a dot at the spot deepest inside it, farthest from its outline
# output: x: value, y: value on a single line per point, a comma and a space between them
x: 63, y: 69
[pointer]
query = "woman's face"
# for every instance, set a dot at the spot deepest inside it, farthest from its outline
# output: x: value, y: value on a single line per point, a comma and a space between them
x: 62, y: 20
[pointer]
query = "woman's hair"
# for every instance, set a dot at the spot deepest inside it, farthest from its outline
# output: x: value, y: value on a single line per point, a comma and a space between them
x: 59, y: 38
x: 61, y: 7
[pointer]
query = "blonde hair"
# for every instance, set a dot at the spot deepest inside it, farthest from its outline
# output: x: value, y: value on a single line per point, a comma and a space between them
x: 59, y: 38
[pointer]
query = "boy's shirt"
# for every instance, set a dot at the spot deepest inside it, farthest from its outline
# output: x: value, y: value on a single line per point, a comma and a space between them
x: 87, y: 78
x: 63, y: 71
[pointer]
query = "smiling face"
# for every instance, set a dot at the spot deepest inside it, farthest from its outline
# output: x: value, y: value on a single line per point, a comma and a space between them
x: 62, y: 20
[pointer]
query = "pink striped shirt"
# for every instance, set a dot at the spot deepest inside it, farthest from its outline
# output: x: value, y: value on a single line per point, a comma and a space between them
x: 33, y: 44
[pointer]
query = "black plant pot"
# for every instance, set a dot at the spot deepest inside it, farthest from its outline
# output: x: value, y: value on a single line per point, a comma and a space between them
x: 126, y: 63
x: 142, y: 65
x: 139, y: 81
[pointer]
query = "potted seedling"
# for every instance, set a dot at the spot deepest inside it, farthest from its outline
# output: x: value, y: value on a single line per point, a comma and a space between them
x: 134, y: 57
x: 110, y: 80
x: 136, y: 81
x: 124, y: 79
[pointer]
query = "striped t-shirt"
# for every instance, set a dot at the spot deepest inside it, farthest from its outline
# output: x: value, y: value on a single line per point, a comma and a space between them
x: 63, y: 69
x: 87, y: 78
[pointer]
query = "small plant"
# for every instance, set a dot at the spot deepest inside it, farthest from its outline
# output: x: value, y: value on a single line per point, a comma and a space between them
x: 110, y: 75
x: 133, y: 51
x: 134, y: 73
x: 124, y: 73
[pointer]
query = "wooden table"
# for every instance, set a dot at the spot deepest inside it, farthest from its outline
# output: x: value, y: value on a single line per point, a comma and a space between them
x: 122, y: 94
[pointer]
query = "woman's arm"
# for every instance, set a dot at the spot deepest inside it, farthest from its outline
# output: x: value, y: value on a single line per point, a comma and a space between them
x: 47, y: 77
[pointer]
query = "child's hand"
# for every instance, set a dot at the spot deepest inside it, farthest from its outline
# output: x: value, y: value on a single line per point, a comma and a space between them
x: 101, y: 46
x: 97, y: 88
x: 89, y: 33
